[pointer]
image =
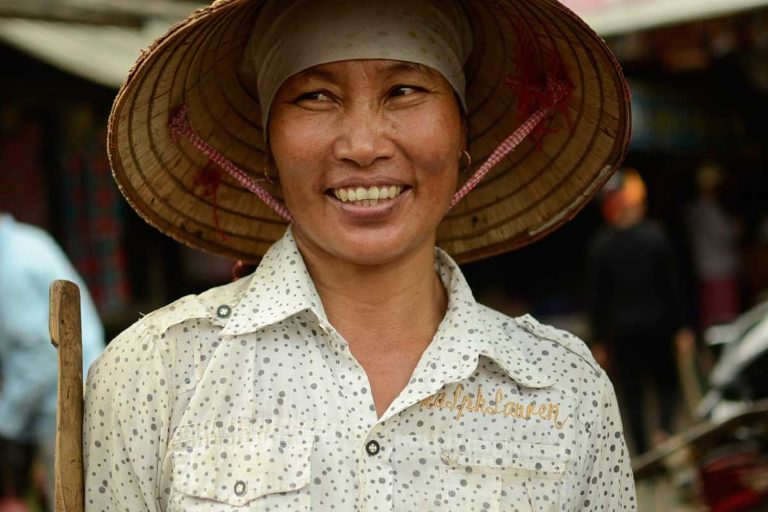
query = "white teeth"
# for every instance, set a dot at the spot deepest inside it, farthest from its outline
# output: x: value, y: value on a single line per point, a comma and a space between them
x: 369, y: 196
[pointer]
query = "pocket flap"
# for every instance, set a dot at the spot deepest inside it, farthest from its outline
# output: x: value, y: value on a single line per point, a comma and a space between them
x: 236, y: 470
x: 543, y: 458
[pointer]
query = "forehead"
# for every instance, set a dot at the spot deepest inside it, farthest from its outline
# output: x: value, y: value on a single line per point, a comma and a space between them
x: 371, y: 69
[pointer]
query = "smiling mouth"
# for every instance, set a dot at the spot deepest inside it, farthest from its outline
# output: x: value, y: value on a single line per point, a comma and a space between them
x: 371, y: 196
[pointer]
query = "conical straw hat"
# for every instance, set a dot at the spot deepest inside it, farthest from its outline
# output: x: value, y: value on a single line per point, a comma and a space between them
x: 538, y: 187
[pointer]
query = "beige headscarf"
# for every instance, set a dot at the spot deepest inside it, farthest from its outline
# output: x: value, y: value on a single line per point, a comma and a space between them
x: 290, y: 37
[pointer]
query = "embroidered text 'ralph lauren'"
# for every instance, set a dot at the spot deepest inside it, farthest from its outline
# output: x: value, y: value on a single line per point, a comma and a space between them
x: 463, y: 403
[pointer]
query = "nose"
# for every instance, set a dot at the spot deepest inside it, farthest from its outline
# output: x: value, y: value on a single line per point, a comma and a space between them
x: 363, y: 137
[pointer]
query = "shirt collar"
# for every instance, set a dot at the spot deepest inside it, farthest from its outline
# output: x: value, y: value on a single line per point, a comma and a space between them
x: 470, y: 330
x: 282, y: 287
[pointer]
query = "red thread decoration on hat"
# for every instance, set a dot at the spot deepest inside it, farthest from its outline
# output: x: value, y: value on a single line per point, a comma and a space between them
x: 540, y: 81
x: 179, y: 127
x: 209, y: 177
x: 541, y: 89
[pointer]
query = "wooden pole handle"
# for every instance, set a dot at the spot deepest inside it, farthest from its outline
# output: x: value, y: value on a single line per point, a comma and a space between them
x: 65, y: 330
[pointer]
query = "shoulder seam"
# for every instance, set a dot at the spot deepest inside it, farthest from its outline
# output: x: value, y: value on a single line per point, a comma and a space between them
x: 533, y: 326
x: 158, y: 322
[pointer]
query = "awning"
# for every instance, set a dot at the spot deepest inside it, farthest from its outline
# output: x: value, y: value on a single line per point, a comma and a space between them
x: 615, y: 17
x: 105, y: 54
x: 95, y: 39
x: 101, y: 53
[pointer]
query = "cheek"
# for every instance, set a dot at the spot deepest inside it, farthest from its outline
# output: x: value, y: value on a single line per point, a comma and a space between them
x: 435, y: 144
x: 296, y: 153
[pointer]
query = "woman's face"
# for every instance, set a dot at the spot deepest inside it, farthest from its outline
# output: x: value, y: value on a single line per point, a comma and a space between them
x: 367, y: 153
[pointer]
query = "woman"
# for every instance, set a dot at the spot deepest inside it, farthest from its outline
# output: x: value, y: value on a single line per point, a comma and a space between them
x: 354, y: 370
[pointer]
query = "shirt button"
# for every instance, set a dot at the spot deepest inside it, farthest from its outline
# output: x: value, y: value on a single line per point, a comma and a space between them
x: 223, y: 311
x: 373, y: 448
x: 240, y: 488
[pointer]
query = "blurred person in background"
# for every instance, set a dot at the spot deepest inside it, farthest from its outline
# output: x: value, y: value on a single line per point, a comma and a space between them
x: 714, y: 237
x: 29, y: 261
x: 636, y: 305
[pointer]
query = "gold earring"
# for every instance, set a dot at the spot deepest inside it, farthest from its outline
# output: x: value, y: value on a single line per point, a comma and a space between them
x: 266, y: 173
x: 469, y: 160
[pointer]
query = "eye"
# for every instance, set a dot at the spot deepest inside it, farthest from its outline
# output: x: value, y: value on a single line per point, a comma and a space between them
x: 320, y: 95
x: 404, y: 90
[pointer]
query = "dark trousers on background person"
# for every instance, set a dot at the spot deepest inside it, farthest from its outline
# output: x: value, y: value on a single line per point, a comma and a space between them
x: 644, y: 361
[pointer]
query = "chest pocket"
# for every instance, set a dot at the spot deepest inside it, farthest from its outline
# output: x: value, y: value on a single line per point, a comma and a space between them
x: 245, y: 471
x: 519, y: 477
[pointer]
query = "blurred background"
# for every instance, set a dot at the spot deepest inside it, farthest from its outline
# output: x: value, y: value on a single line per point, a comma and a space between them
x: 698, y: 72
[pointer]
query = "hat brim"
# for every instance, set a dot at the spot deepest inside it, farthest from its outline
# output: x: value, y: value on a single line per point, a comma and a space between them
x: 538, y: 187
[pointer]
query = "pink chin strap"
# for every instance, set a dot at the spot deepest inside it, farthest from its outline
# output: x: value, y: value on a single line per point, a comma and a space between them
x: 502, y: 150
x: 179, y: 127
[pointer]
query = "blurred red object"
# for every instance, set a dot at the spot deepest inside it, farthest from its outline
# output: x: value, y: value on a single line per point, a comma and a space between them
x: 736, y: 481
x: 13, y: 505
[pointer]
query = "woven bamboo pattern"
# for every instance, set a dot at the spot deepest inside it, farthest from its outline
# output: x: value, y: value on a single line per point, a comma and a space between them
x: 540, y: 185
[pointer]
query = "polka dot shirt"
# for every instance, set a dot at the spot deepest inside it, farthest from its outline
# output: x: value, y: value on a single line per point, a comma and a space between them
x: 246, y: 398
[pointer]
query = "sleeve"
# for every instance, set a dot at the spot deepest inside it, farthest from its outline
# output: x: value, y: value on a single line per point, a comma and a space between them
x: 126, y: 424
x: 610, y: 481
x: 30, y: 363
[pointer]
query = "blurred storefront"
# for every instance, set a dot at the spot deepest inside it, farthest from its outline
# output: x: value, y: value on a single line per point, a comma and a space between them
x: 618, y: 17
x: 699, y: 81
x: 62, y: 67
x: 700, y: 98
x: 699, y: 88
x: 700, y: 95
x: 699, y: 92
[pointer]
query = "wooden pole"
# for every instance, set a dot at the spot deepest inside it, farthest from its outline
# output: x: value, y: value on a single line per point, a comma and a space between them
x: 64, y: 326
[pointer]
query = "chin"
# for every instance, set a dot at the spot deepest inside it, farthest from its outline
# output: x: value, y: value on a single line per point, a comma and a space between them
x: 372, y: 252
x: 371, y: 259
x: 369, y: 247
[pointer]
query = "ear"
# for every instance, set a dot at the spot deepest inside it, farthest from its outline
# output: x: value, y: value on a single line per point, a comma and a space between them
x: 465, y: 131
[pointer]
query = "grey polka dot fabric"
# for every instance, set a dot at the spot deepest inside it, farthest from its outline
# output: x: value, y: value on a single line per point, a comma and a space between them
x: 246, y: 398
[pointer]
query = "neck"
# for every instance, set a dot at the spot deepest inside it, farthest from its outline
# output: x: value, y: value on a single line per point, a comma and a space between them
x: 391, y: 307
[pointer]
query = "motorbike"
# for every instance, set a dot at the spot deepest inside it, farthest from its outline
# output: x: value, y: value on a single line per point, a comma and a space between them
x: 721, y: 462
